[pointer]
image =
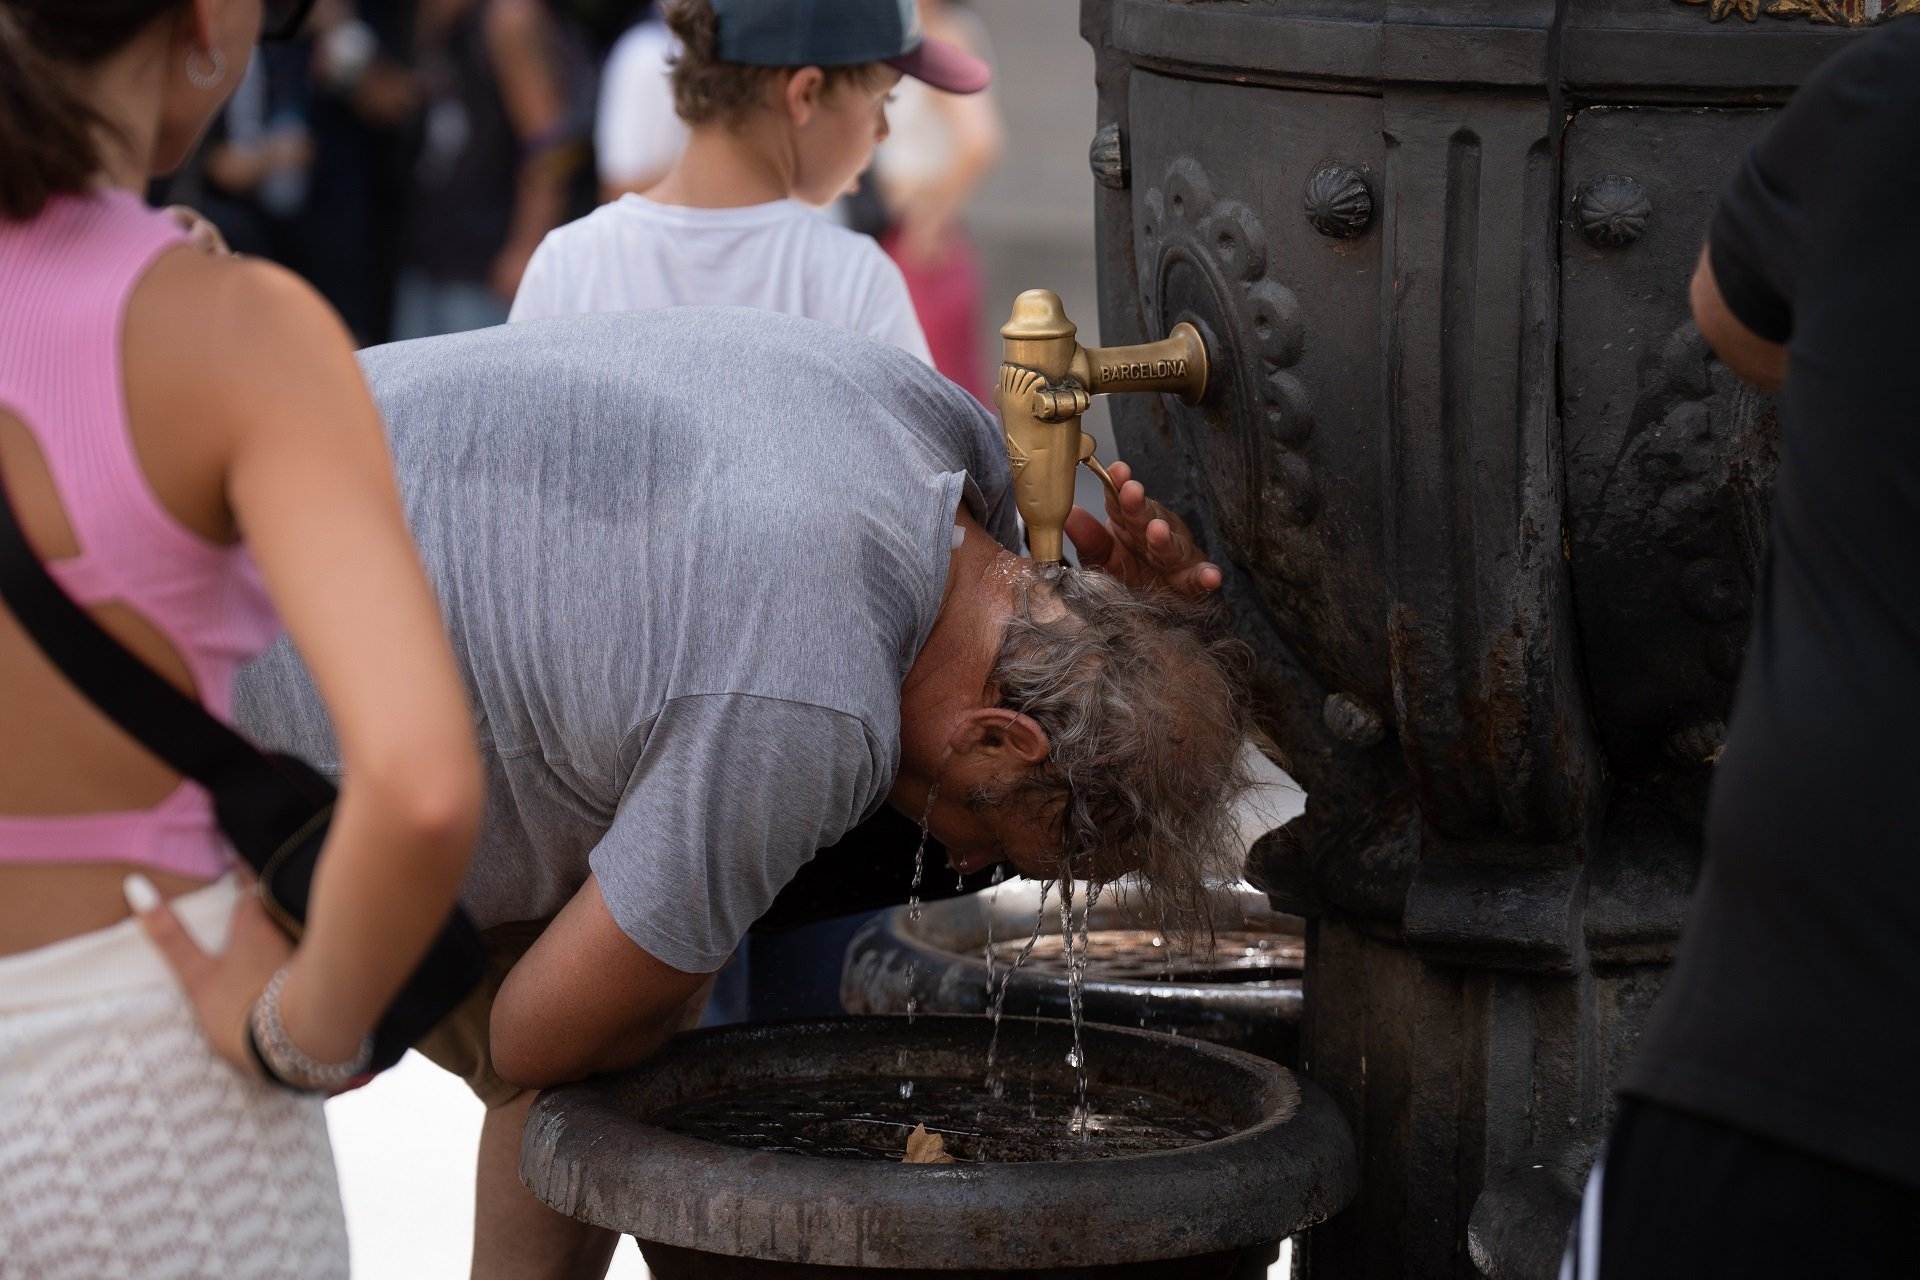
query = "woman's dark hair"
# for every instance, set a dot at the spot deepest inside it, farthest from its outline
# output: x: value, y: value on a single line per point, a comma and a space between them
x: 48, y: 140
x: 706, y: 89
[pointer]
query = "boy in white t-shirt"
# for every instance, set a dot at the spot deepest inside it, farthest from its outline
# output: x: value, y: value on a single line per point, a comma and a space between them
x: 783, y: 115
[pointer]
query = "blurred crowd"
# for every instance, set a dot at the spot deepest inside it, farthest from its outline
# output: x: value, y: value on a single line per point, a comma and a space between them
x: 408, y: 156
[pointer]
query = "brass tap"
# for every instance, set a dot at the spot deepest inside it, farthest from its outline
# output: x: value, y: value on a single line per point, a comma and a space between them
x: 1048, y: 380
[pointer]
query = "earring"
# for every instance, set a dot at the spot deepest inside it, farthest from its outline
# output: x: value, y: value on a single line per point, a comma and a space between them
x: 210, y: 78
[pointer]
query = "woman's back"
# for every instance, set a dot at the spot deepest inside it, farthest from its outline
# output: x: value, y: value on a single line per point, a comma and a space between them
x: 128, y: 509
x: 157, y: 402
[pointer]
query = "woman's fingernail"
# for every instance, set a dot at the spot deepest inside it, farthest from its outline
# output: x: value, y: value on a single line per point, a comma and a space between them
x: 141, y: 895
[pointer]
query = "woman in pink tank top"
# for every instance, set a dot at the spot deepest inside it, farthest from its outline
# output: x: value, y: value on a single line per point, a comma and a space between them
x: 190, y: 448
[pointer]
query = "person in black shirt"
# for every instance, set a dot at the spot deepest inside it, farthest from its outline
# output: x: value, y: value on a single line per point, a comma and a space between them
x: 1770, y: 1123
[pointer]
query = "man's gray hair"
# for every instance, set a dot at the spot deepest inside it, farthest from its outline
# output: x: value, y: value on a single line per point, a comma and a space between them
x: 1144, y: 702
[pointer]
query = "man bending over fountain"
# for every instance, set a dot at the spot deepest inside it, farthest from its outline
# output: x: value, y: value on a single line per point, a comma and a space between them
x: 722, y: 583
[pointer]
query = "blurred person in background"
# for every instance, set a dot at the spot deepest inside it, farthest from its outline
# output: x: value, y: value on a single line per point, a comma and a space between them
x: 362, y: 101
x: 942, y: 146
x: 783, y: 117
x: 188, y: 444
x: 637, y: 134
x: 497, y: 142
x: 257, y: 158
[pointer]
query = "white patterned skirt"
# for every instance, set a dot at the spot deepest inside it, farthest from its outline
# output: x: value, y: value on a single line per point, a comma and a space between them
x: 127, y: 1149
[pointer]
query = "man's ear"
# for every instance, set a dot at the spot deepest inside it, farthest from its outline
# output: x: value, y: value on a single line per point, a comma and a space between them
x: 802, y: 93
x: 996, y: 731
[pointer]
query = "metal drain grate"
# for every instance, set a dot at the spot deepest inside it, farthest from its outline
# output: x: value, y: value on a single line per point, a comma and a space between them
x: 868, y: 1118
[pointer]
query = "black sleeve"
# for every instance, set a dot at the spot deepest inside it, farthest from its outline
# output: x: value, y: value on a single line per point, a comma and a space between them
x: 1759, y: 227
x: 1800, y: 186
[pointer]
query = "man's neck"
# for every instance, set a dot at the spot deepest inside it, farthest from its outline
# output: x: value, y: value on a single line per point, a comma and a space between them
x: 724, y: 168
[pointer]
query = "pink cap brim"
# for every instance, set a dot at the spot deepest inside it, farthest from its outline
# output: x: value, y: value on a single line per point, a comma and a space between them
x: 944, y: 66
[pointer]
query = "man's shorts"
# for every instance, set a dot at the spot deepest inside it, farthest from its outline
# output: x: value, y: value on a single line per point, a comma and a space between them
x: 460, y: 1043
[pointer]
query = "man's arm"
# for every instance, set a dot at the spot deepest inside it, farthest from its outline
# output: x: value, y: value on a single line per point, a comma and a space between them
x: 520, y: 40
x: 585, y: 998
x: 1749, y: 355
x: 731, y: 794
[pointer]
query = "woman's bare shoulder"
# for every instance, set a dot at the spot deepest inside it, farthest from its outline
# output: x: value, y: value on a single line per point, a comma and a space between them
x: 211, y: 332
x: 218, y: 306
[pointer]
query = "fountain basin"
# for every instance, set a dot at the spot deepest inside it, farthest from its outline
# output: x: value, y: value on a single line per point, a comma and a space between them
x: 711, y: 1209
x: 1243, y: 1001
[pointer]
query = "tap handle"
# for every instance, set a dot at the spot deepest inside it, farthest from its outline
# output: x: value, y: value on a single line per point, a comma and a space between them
x: 1087, y: 447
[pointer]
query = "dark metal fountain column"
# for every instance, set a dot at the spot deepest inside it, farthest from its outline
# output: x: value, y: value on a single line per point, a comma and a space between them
x: 1491, y: 517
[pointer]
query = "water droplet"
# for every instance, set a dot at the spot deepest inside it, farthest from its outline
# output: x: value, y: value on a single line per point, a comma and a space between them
x: 1158, y: 940
x: 906, y: 1089
x: 1073, y: 1057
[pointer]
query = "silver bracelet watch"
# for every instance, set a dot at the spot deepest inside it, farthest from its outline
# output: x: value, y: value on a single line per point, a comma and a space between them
x: 283, y: 1060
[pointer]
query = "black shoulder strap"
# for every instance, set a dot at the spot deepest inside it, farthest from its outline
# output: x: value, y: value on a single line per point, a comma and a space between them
x: 158, y: 716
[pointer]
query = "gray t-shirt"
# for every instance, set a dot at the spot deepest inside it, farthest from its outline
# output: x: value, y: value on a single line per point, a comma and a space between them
x: 686, y: 558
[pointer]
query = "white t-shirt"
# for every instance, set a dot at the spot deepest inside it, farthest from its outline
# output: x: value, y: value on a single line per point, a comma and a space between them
x: 636, y: 133
x: 636, y: 255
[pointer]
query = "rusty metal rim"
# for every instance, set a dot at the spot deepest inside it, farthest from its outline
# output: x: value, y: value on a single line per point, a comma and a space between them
x: 1375, y: 46
x: 585, y: 1157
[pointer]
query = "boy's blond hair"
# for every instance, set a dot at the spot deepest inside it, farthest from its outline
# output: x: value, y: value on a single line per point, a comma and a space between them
x: 707, y: 90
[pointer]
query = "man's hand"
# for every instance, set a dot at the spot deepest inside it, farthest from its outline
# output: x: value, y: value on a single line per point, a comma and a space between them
x: 1142, y: 543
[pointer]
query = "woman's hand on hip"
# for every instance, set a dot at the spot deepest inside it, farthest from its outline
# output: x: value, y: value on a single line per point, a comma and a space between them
x: 222, y: 987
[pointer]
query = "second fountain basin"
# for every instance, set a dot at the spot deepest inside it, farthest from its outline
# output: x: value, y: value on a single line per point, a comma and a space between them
x: 1246, y: 993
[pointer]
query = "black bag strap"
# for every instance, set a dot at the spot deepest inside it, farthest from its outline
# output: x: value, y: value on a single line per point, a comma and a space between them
x: 156, y: 714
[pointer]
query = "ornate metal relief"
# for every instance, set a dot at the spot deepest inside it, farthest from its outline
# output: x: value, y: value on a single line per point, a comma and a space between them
x: 1842, y: 13
x: 1678, y: 536
x: 1206, y: 260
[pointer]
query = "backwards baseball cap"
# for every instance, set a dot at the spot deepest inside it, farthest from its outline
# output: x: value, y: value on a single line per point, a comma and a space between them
x: 842, y: 33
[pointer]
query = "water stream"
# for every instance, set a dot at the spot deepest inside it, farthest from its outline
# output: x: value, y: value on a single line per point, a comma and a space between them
x: 920, y: 854
x: 913, y: 913
x: 995, y: 1084
x: 1074, y: 943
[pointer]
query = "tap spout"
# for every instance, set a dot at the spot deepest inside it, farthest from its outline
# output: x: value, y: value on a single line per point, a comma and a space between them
x: 1047, y: 381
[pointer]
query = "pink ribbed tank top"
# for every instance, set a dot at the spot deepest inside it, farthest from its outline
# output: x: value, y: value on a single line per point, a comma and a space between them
x: 65, y: 277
